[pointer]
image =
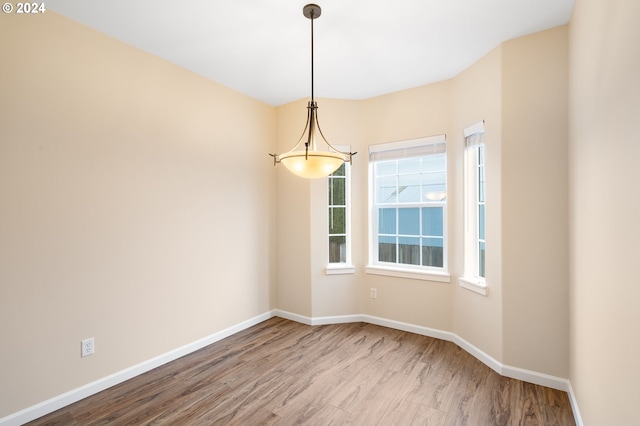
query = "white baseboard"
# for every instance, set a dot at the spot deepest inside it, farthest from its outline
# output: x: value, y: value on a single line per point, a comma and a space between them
x: 574, y: 406
x: 411, y: 328
x: 75, y: 395
x: 293, y: 317
x: 536, y: 378
x: 60, y: 401
x: 339, y: 319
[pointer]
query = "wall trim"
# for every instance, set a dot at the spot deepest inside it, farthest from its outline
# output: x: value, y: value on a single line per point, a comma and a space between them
x: 574, y: 405
x: 411, y: 328
x: 293, y: 317
x: 49, y: 406
x: 74, y: 395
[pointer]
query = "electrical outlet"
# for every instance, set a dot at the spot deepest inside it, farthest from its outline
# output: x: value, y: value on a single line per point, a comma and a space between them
x: 87, y: 347
x: 374, y: 293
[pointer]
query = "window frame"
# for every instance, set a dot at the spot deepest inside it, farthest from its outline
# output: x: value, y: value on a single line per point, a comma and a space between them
x: 473, y: 141
x: 397, y: 150
x: 346, y: 267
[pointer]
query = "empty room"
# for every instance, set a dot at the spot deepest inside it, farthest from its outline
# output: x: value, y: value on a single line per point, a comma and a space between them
x: 349, y: 212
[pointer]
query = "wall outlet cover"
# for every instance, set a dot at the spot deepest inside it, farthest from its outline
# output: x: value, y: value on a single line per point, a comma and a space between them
x: 87, y: 347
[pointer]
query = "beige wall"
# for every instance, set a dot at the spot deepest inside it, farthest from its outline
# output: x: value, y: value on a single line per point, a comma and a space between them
x: 122, y: 215
x: 535, y: 272
x: 477, y: 95
x: 605, y: 207
x: 341, y: 123
x: 293, y: 217
x: 409, y: 114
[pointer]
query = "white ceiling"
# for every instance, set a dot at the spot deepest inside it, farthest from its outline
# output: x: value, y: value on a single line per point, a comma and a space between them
x: 362, y: 48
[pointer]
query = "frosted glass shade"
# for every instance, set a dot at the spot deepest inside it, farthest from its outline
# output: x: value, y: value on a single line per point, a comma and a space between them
x: 317, y: 164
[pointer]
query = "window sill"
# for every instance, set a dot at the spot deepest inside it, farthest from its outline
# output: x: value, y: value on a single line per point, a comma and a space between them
x: 442, y: 277
x: 474, y: 284
x: 340, y: 269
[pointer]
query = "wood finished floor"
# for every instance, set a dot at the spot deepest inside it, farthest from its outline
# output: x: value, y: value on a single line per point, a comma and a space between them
x: 281, y: 372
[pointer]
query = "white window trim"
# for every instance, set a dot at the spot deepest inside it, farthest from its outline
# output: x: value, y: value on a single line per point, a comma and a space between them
x: 474, y: 284
x: 347, y: 267
x: 390, y: 271
x: 405, y: 271
x: 339, y: 269
x: 474, y: 128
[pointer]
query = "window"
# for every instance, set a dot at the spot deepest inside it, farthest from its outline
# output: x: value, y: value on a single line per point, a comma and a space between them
x: 409, y: 208
x: 475, y: 242
x: 479, y: 207
x: 338, y: 216
x: 338, y: 184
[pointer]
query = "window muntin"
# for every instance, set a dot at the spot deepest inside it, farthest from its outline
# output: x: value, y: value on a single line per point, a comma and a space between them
x: 409, y: 188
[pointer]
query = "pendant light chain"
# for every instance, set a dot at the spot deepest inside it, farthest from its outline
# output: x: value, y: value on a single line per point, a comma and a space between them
x: 312, y: 104
x: 312, y: 93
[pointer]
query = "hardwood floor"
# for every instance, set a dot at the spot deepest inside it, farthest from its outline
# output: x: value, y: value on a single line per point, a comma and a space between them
x: 281, y: 372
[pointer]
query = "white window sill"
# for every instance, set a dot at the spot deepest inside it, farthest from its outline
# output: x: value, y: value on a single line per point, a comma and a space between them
x: 442, y: 277
x: 474, y: 284
x: 339, y: 269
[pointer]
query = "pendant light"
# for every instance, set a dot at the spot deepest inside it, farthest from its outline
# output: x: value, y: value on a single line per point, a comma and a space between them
x: 308, y: 161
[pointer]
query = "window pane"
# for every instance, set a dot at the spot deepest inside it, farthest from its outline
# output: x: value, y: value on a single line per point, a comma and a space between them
x: 387, y: 221
x: 337, y: 249
x: 337, y: 191
x: 481, y: 221
x: 409, y: 250
x: 434, y: 186
x: 481, y: 254
x: 337, y: 220
x: 409, y: 221
x: 409, y: 165
x: 386, y: 189
x: 409, y: 188
x: 481, y: 184
x: 387, y: 249
x: 433, y: 221
x: 481, y: 173
x: 433, y: 252
x: 386, y: 168
x: 434, y: 163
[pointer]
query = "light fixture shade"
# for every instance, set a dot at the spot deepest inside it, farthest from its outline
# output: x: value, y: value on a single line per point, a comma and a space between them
x: 312, y: 164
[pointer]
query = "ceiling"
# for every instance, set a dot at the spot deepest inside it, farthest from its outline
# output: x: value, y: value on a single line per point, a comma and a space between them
x: 362, y: 48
